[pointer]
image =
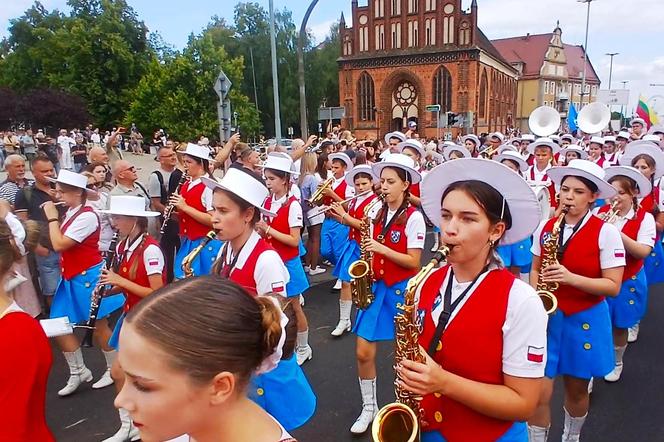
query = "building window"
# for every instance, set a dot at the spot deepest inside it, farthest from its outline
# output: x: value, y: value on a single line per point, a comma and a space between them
x: 430, y: 32
x: 448, y: 30
x: 546, y: 87
x: 396, y: 35
x: 380, y: 37
x: 430, y: 5
x: 396, y: 7
x: 365, y: 98
x: 348, y: 46
x: 481, y: 108
x: 379, y: 8
x: 594, y: 90
x: 586, y: 89
x: 442, y: 89
x: 364, y: 39
x: 412, y: 6
x: 464, y: 34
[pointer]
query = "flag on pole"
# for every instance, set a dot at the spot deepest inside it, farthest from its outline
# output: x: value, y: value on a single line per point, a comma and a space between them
x: 571, y: 118
x: 643, y: 111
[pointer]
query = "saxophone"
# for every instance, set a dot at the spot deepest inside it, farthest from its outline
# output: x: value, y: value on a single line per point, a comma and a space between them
x: 360, y: 270
x: 545, y: 290
x: 400, y: 420
x: 186, y: 262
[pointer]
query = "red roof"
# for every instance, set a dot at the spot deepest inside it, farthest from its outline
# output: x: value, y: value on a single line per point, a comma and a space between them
x: 531, y: 49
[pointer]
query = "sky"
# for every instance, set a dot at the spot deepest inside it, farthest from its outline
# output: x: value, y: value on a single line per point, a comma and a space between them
x: 634, y: 31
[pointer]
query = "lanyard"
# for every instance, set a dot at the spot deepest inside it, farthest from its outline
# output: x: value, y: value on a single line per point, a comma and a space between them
x: 449, y: 307
x: 386, y: 225
x: 562, y: 247
x: 226, y: 269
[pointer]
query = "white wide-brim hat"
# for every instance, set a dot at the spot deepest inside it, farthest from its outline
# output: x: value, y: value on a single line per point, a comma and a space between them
x: 507, y: 148
x: 400, y: 161
x: 657, y: 130
x: 472, y: 138
x: 413, y: 144
x: 652, y: 138
x: 567, y: 137
x: 527, y: 137
x: 623, y: 134
x: 640, y: 121
x: 519, y: 197
x: 194, y: 150
x: 498, y: 135
x: 543, y: 142
x: 597, y: 140
x: 447, y: 151
x: 128, y: 205
x: 281, y: 162
x: 398, y: 135
x: 645, y: 187
x: 636, y: 148
x: 585, y: 169
x: 244, y: 186
x: 609, y: 139
x: 362, y: 168
x: 574, y: 148
x: 343, y: 157
x: 512, y: 156
x: 72, y: 179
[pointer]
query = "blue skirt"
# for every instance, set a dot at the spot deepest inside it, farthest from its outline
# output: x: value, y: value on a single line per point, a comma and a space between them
x: 202, y: 265
x: 72, y: 297
x: 516, y: 433
x: 298, y: 282
x: 376, y: 323
x: 653, y: 264
x: 517, y: 254
x: 115, y: 337
x: 580, y: 345
x: 349, y: 254
x: 629, y: 306
x: 301, y: 248
x: 285, y: 393
x: 333, y: 237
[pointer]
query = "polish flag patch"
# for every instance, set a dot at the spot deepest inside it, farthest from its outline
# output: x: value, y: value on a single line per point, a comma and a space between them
x: 420, y: 236
x: 278, y: 287
x: 153, y: 262
x: 618, y: 253
x: 535, y: 354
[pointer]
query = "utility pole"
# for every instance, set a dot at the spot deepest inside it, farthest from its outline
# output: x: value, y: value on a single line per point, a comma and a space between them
x: 275, y: 77
x: 611, y: 54
x: 300, y: 70
x: 585, y: 52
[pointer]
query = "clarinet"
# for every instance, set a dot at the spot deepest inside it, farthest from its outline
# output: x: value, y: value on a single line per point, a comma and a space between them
x: 98, y: 294
x: 168, y: 211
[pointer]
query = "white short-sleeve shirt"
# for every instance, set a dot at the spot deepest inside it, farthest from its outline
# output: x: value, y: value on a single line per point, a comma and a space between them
x: 153, y: 258
x: 206, y: 198
x: 647, y: 233
x: 415, y: 229
x: 294, y: 211
x: 83, y: 225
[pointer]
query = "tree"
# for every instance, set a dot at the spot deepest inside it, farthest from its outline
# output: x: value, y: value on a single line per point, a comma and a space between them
x: 51, y: 109
x: 8, y: 100
x: 322, y: 76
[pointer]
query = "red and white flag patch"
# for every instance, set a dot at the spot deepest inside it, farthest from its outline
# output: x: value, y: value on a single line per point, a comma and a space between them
x: 153, y: 262
x: 278, y: 287
x: 535, y: 354
x: 618, y: 253
x: 420, y: 236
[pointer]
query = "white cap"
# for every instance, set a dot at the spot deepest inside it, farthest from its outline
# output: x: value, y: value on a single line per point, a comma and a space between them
x: 362, y: 168
x: 637, y: 148
x: 194, y: 150
x: 568, y: 137
x: 543, y: 142
x: 283, y: 163
x: 585, y: 169
x: 512, y: 156
x: 413, y: 144
x: 651, y: 137
x: 448, y: 149
x: 128, y: 205
x: 498, y: 135
x: 343, y: 157
x: 399, y: 161
x: 643, y: 183
x: 396, y: 134
x: 574, y: 148
x: 244, y: 186
x: 507, y: 148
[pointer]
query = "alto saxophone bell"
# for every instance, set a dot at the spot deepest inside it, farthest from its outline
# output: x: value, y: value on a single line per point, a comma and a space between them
x: 395, y: 422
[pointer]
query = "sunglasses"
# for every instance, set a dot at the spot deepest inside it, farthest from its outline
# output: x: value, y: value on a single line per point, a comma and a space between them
x: 130, y: 169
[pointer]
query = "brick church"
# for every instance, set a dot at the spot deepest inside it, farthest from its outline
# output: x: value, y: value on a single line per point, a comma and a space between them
x: 401, y: 55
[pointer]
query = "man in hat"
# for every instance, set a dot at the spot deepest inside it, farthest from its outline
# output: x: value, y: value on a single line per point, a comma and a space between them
x: 638, y: 124
x: 495, y: 140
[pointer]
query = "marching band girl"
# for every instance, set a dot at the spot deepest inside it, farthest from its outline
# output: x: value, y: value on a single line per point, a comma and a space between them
x: 282, y: 232
x: 397, y: 242
x: 194, y: 206
x: 473, y: 302
x: 591, y: 259
x: 140, y: 271
x: 471, y: 143
x: 77, y: 241
x: 637, y: 229
x: 573, y: 152
x: 542, y: 150
x: 595, y: 152
x: 455, y: 152
x: 200, y: 394
x: 363, y: 179
x: 248, y: 260
x: 414, y: 150
x: 308, y: 183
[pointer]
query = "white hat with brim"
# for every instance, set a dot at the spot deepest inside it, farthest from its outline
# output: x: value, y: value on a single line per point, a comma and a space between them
x: 472, y: 138
x: 637, y: 148
x: 512, y: 156
x: 585, y: 169
x: 657, y: 130
x: 128, y: 205
x: 555, y: 139
x: 622, y: 134
x: 610, y: 139
x: 507, y: 148
x: 640, y: 121
x: 72, y: 179
x: 400, y: 161
x: 283, y: 163
x: 645, y: 187
x: 362, y: 168
x: 242, y: 185
x: 574, y: 148
x: 342, y: 157
x: 398, y: 135
x: 519, y: 197
x: 597, y: 140
x: 543, y: 142
x: 567, y: 137
x: 528, y: 137
x: 195, y: 150
x: 447, y: 151
x: 498, y: 135
x: 651, y: 137
x: 412, y: 144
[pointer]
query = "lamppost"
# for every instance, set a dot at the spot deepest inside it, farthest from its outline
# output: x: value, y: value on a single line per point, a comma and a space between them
x: 300, y: 71
x: 275, y: 78
x: 585, y: 52
x: 611, y: 54
x: 622, y: 107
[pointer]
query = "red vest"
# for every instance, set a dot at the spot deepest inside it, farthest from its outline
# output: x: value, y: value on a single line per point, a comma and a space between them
x: 81, y: 256
x: 600, y: 161
x: 582, y: 258
x: 280, y: 224
x: 531, y: 159
x: 395, y: 239
x: 415, y: 190
x: 358, y: 213
x: 193, y: 196
x: 141, y: 277
x: 631, y: 229
x: 340, y: 190
x: 651, y: 201
x: 245, y: 275
x: 472, y: 347
x: 551, y: 187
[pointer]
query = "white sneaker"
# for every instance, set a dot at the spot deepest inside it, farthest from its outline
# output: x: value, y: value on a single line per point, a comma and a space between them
x: 342, y: 326
x: 590, y: 386
x: 327, y: 262
x: 614, y: 376
x: 633, y: 334
x: 337, y: 285
x: 74, y: 381
x: 307, y: 268
x: 104, y: 381
x: 364, y: 420
x: 127, y: 431
x: 303, y: 354
x: 302, y: 300
x: 316, y: 271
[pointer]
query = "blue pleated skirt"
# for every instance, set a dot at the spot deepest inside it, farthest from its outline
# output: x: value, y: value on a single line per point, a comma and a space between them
x: 654, y: 264
x: 72, y: 297
x: 516, y: 433
x: 285, y: 393
x: 629, y: 306
x: 349, y: 254
x: 517, y: 254
x: 298, y: 282
x: 115, y: 337
x: 333, y: 237
x: 376, y: 323
x: 580, y: 345
x: 202, y: 265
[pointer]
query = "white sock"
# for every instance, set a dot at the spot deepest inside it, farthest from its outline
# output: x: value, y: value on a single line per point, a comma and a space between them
x: 572, y: 428
x: 303, y: 339
x: 110, y: 357
x: 619, y: 353
x: 537, y: 434
x: 344, y: 309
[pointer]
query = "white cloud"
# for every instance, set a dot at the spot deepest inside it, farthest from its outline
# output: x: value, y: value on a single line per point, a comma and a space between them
x: 321, y: 30
x: 16, y: 8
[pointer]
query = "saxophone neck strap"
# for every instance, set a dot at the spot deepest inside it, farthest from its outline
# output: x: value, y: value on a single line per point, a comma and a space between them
x: 226, y: 269
x: 387, y: 225
x: 562, y: 245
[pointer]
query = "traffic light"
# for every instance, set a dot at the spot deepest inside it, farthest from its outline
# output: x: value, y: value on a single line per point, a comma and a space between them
x: 452, y: 119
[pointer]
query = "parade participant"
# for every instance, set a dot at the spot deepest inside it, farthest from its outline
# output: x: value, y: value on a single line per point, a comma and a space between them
x: 99, y: 201
x: 638, y: 125
x: 362, y: 179
x: 414, y: 150
x: 454, y: 152
x: 621, y: 141
x: 638, y: 234
x: 200, y: 394
x: 566, y: 140
x: 515, y: 142
x: 396, y: 243
x: 140, y: 271
x: 77, y: 241
x: 308, y: 182
x: 392, y: 140
x: 472, y: 143
x: 543, y: 150
x: 194, y: 208
x: 611, y: 155
x: 526, y: 140
x: 486, y: 397
x: 496, y: 139
x: 591, y: 260
x: 573, y: 152
x: 23, y: 381
x: 247, y: 259
x: 596, y: 152
x: 282, y: 232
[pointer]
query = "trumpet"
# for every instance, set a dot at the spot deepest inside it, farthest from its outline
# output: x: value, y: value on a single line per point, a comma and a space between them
x: 323, y: 209
x: 189, y: 259
x: 317, y: 198
x: 488, y: 153
x: 610, y: 216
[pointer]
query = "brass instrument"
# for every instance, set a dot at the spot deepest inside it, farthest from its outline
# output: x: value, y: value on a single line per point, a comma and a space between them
x: 168, y: 211
x: 317, y: 198
x: 545, y: 290
x: 186, y: 262
x: 360, y: 270
x: 323, y: 209
x: 399, y: 421
x: 610, y: 216
x: 488, y: 153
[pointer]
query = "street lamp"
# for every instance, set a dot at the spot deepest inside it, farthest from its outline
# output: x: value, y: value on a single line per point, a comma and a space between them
x: 275, y: 78
x: 611, y: 54
x: 622, y: 107
x: 585, y: 51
